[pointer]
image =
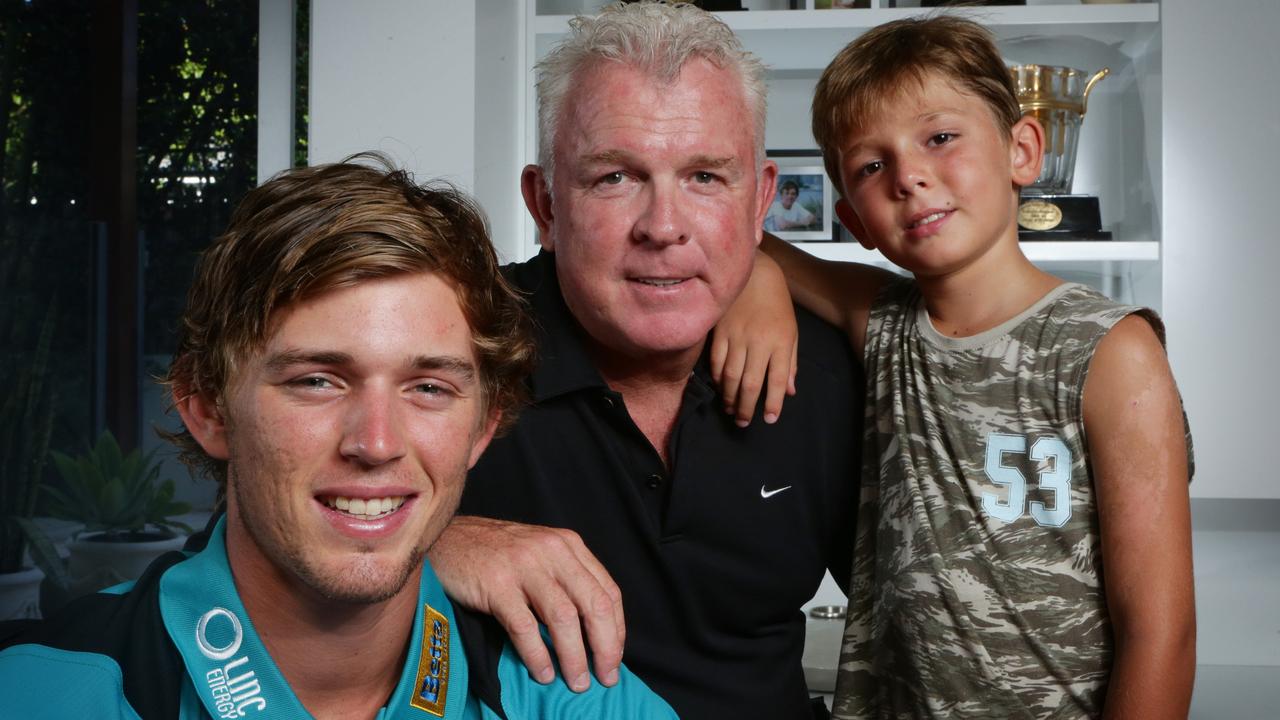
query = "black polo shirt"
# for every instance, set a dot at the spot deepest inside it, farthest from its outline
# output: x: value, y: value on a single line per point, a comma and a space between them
x: 715, y: 556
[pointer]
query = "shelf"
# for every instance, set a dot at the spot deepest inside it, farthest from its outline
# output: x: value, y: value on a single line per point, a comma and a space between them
x: 1124, y: 148
x: 808, y: 39
x: 1047, y: 252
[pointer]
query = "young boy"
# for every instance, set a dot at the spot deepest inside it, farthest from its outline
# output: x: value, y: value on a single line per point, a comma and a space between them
x: 1023, y: 545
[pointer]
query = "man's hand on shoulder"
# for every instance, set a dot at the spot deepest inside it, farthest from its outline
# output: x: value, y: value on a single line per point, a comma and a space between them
x: 521, y: 574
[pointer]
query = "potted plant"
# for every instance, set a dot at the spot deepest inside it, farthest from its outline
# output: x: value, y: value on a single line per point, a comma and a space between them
x: 125, y: 508
x: 26, y: 422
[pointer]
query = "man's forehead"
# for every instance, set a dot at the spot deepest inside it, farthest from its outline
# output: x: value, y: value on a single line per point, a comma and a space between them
x: 617, y: 114
x: 427, y: 305
x: 621, y: 156
x: 698, y: 83
x: 601, y: 69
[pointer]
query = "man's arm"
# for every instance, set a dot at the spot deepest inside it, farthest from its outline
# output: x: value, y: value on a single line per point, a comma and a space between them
x: 521, y: 574
x: 1137, y: 448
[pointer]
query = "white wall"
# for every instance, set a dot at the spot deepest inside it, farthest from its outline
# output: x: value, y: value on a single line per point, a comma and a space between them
x: 500, y: 122
x: 787, y: 123
x: 438, y: 86
x: 1221, y: 251
x: 397, y: 76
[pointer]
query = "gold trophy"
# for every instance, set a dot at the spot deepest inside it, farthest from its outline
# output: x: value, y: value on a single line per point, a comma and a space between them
x: 1057, y: 97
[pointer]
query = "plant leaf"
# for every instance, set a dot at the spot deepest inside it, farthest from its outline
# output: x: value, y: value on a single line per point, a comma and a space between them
x: 178, y: 524
x: 60, y: 506
x: 110, y: 490
x: 111, y: 501
x: 110, y: 457
x: 43, y: 553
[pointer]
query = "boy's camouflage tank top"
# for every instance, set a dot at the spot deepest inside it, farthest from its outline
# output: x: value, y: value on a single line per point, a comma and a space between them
x: 977, y: 579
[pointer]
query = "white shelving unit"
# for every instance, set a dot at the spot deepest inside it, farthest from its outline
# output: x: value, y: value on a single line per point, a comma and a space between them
x: 808, y: 39
x: 1041, y: 252
x: 1120, y: 151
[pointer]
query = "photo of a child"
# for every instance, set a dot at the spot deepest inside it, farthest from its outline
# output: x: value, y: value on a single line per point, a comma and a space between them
x: 801, y: 210
x: 789, y: 212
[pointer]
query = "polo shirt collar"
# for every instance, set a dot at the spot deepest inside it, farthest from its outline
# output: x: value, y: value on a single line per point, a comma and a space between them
x: 564, y: 366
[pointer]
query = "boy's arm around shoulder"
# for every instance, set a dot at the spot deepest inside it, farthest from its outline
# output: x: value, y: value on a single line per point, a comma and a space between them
x: 754, y: 345
x: 1137, y: 449
x: 753, y: 348
x: 840, y: 293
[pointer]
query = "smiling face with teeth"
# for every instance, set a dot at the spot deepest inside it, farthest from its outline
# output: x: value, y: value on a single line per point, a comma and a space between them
x: 932, y: 179
x: 348, y: 438
x: 656, y: 205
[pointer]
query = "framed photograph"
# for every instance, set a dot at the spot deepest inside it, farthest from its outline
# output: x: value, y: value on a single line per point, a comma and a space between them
x: 801, y: 209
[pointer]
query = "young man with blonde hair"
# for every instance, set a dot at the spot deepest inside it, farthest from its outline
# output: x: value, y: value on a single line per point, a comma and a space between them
x: 347, y: 352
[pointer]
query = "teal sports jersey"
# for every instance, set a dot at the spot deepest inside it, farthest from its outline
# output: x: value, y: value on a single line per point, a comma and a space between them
x: 180, y: 644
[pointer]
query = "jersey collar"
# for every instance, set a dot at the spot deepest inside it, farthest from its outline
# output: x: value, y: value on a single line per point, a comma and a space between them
x: 235, y: 677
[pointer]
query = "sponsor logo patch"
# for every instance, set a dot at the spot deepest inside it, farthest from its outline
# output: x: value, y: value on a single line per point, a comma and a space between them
x: 432, y: 683
x: 234, y: 686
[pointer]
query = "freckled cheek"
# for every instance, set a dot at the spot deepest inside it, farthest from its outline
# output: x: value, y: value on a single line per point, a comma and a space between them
x: 963, y: 182
x: 287, y: 440
x: 443, y: 446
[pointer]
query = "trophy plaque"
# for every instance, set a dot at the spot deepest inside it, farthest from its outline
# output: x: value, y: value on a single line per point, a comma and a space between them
x: 1057, y: 97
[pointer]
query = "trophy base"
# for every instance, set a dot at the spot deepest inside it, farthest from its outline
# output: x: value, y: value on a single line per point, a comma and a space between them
x: 1063, y: 235
x: 1060, y: 217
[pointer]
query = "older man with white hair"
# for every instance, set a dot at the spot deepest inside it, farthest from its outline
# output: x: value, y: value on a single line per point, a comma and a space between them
x: 650, y: 192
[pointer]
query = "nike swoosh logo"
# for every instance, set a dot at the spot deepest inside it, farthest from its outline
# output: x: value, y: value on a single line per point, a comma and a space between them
x: 770, y: 493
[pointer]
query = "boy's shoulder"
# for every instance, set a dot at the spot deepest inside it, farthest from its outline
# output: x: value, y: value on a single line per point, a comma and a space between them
x: 1070, y: 307
x: 1082, y: 301
x: 894, y: 293
x: 1084, y: 313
